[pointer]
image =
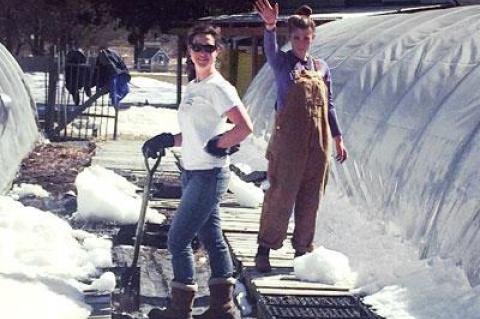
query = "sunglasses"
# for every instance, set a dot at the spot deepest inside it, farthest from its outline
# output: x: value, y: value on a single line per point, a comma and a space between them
x: 208, y: 48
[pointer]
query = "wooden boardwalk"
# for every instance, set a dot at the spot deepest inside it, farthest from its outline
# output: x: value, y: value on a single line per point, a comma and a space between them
x: 279, y: 294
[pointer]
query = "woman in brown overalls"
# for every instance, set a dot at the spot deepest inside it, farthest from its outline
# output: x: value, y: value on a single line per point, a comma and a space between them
x: 299, y: 148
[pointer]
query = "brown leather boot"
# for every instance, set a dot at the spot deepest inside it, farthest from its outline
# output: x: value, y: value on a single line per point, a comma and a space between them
x: 221, y: 300
x: 181, y: 304
x: 262, y: 263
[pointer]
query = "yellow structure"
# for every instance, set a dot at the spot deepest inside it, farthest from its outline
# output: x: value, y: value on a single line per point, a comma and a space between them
x: 237, y: 67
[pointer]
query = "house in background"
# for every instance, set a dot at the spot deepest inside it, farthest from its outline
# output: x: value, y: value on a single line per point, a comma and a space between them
x: 153, y: 59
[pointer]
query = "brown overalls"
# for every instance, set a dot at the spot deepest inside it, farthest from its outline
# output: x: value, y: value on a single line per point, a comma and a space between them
x: 298, y: 154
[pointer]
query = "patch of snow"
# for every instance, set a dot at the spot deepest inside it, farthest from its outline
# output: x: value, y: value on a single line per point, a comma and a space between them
x: 106, y: 196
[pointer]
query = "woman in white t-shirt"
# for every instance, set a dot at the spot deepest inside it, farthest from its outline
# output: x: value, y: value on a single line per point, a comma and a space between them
x: 206, y: 145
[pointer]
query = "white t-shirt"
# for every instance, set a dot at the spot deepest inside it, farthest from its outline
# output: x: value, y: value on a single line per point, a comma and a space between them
x: 201, y: 116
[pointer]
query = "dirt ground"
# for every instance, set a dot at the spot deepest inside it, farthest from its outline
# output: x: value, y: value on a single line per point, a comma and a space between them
x: 55, y: 166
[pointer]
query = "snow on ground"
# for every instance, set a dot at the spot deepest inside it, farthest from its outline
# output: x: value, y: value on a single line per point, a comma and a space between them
x: 42, y: 259
x: 146, y: 91
x: 146, y: 121
x: 143, y: 120
x: 400, y: 285
x: 106, y: 196
x: 27, y: 298
x: 24, y: 189
x: 37, y: 82
x: 247, y: 194
x: 143, y: 90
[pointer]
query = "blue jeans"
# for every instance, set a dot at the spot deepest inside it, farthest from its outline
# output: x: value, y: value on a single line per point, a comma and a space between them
x: 198, y: 213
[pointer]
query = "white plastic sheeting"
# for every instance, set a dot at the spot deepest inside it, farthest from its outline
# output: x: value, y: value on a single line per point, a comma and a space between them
x: 18, y: 129
x: 407, y: 97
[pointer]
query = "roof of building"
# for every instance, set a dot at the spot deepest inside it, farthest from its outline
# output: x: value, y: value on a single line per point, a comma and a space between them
x: 148, y: 53
x: 322, y: 15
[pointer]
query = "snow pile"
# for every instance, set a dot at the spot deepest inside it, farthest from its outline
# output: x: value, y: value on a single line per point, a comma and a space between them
x: 35, y: 242
x: 437, y: 290
x: 106, y: 196
x: 106, y: 282
x: 325, y: 266
x: 388, y: 267
x: 27, y: 298
x: 95, y: 247
x: 251, y: 156
x: 24, y: 189
x: 246, y: 194
x: 42, y: 259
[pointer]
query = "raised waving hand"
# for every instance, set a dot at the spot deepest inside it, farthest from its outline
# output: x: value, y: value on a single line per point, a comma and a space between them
x: 268, y: 13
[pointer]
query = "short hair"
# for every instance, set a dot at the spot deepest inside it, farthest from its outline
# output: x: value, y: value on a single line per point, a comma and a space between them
x: 207, y: 29
x: 301, y: 19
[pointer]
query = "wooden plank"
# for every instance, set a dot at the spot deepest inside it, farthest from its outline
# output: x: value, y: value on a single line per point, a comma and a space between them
x: 277, y: 263
x: 250, y: 262
x: 252, y: 250
x: 239, y: 210
x: 167, y: 203
x: 247, y: 236
x: 291, y: 282
x: 301, y: 292
x: 280, y: 260
x: 242, y: 226
x: 241, y: 219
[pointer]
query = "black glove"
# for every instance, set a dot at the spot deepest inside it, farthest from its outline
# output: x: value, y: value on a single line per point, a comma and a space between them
x: 216, y: 151
x: 153, y: 146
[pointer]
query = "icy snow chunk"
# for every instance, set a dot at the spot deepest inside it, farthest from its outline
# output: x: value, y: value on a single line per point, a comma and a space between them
x: 325, y: 266
x: 392, y: 302
x: 39, y: 243
x: 247, y: 194
x: 106, y: 196
x: 106, y: 282
x: 23, y: 298
x: 99, y: 251
x: 24, y: 189
x: 245, y: 168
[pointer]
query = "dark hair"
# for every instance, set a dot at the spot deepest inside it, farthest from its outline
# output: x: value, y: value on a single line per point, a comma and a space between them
x: 205, y: 29
x: 301, y: 19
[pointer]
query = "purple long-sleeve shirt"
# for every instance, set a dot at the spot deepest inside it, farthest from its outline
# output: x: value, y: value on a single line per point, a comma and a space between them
x: 283, y: 63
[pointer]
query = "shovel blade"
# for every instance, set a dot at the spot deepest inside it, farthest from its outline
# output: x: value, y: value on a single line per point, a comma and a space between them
x: 126, y: 297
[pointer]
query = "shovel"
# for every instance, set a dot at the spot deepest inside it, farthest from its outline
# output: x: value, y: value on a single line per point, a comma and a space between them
x: 128, y: 298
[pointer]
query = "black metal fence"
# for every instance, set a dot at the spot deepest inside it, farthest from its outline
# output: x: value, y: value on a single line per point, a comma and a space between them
x: 70, y: 106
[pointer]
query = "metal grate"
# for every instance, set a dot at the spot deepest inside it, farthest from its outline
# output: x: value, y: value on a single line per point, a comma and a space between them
x: 299, y: 307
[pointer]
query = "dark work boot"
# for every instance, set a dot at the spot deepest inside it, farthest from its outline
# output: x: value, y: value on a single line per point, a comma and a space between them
x: 299, y: 253
x: 181, y: 304
x: 262, y: 260
x: 221, y: 299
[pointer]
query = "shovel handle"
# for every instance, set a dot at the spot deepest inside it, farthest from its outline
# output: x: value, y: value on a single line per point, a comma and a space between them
x: 143, y: 209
